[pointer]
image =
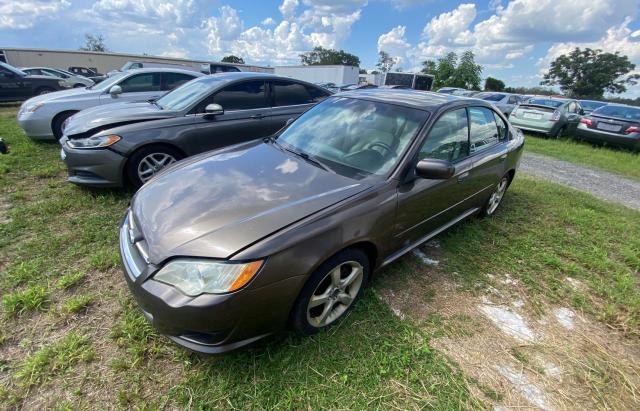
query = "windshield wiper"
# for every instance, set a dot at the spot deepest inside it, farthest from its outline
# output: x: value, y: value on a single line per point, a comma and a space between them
x: 308, y: 158
x: 155, y: 103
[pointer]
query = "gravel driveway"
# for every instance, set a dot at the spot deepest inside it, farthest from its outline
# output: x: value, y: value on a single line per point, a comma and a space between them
x: 601, y: 184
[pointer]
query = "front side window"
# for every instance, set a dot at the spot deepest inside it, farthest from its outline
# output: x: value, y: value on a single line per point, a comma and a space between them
x: 188, y: 94
x: 141, y: 82
x: 354, y: 137
x: 513, y: 100
x: 448, y: 138
x: 242, y: 96
x: 484, y: 131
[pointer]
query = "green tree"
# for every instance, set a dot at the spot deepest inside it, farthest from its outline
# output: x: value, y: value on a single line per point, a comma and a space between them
x: 429, y: 67
x: 445, y: 71
x: 590, y: 73
x: 232, y: 59
x: 493, y: 84
x: 385, y: 61
x: 468, y: 74
x: 94, y: 43
x: 320, y: 55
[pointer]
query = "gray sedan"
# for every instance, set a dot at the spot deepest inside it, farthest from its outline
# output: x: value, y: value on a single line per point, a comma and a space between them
x: 130, y: 142
x: 42, y: 117
x: 505, y: 102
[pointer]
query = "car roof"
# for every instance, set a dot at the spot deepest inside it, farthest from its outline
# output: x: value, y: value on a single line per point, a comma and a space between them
x: 163, y: 70
x: 249, y: 75
x: 423, y: 100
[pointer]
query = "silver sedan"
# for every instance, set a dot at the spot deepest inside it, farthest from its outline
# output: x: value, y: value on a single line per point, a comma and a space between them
x: 42, y: 117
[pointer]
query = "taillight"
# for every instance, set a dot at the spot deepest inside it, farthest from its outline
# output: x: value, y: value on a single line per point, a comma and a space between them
x: 586, y: 121
x: 632, y: 129
x: 555, y: 116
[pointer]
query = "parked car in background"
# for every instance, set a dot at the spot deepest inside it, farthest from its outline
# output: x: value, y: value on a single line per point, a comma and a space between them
x: 131, y: 142
x: 134, y: 65
x: 551, y: 116
x: 42, y: 117
x: 16, y: 85
x: 88, y: 72
x: 589, y: 105
x: 613, y: 124
x: 506, y: 102
x: 215, y: 68
x: 465, y: 93
x: 70, y: 80
x: 233, y: 245
x: 449, y: 90
x: 358, y: 87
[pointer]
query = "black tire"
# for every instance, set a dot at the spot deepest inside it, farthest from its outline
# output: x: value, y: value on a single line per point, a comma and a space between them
x: 58, y: 120
x: 490, y: 206
x: 559, y: 133
x: 44, y: 90
x: 137, y: 157
x: 78, y: 85
x: 299, y: 318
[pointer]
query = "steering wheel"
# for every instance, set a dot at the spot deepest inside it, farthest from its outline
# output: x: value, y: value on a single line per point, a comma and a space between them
x: 382, y: 145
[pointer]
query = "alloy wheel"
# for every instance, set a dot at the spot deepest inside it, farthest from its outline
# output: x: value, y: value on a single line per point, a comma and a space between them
x: 496, y: 196
x: 153, y: 163
x: 335, y: 293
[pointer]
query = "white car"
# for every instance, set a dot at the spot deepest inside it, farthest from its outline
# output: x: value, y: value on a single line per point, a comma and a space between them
x: 69, y: 79
x: 42, y: 117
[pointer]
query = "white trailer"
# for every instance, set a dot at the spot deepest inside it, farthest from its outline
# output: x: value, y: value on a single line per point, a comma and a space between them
x: 417, y: 81
x: 338, y: 75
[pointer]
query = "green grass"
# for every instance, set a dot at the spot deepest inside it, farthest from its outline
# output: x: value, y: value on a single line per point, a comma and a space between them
x: 78, y: 303
x: 625, y: 163
x: 55, y: 359
x: 59, y: 249
x: 31, y: 298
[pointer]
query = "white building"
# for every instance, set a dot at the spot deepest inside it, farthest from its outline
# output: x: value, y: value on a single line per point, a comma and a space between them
x: 338, y: 75
x: 102, y: 62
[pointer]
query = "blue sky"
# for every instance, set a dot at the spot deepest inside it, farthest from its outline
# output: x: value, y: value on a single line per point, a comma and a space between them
x: 514, y: 40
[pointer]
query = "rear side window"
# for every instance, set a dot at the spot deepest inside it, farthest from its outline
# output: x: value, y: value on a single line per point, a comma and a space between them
x: 288, y: 93
x: 173, y: 80
x: 484, y: 131
x: 513, y: 100
x: 242, y: 96
x: 502, y: 126
x: 448, y: 139
x: 141, y: 82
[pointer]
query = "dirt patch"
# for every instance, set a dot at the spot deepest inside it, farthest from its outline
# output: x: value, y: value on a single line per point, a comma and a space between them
x: 4, y: 210
x: 516, y: 353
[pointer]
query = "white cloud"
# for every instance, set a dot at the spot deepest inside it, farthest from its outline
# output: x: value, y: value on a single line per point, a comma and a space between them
x: 16, y: 14
x: 268, y: 22
x: 181, y: 13
x: 395, y: 43
x: 288, y: 7
x: 451, y: 27
x: 222, y: 29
